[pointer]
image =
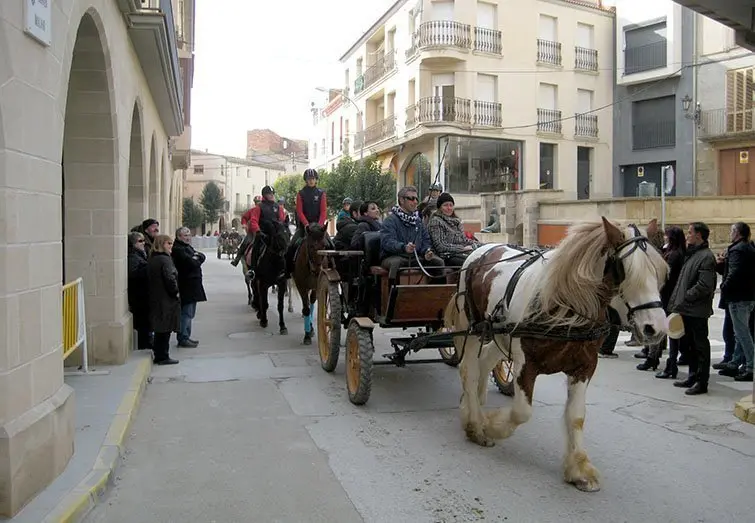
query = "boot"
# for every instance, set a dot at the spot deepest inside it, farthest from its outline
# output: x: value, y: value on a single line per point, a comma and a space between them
x: 650, y: 363
x: 642, y: 354
x: 671, y: 371
x: 237, y: 259
x: 697, y: 388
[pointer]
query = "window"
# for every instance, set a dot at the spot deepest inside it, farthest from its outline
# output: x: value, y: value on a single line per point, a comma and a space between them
x: 332, y: 137
x: 249, y: 200
x: 475, y: 165
x: 645, y: 48
x: 486, y: 15
x: 487, y: 88
x: 654, y: 123
x: 548, y: 28
x: 740, y: 100
x: 314, y: 150
x: 267, y: 179
x: 585, y: 36
x: 584, y: 101
x: 418, y: 174
x: 340, y: 135
x: 442, y: 10
x: 248, y: 173
x: 237, y: 200
x: 198, y: 168
x: 547, y: 165
x: 547, y: 96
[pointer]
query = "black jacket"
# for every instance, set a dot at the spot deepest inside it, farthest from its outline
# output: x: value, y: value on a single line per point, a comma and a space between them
x: 693, y: 294
x: 164, y: 303
x: 346, y: 228
x: 189, y: 266
x: 675, y: 260
x: 738, y: 273
x: 138, y: 288
x: 364, y: 224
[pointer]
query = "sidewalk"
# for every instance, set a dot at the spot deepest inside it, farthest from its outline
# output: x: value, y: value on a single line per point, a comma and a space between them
x: 105, y: 405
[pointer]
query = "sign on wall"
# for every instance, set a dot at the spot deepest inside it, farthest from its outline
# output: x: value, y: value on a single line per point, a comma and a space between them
x: 744, y: 157
x: 38, y: 20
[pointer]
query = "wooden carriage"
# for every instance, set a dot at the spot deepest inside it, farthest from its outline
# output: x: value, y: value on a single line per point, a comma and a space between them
x: 355, y: 293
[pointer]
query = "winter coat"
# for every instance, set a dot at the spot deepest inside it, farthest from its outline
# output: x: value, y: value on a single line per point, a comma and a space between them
x: 346, y: 227
x: 364, y: 224
x: 138, y: 288
x: 188, y: 263
x: 738, y: 273
x: 693, y: 294
x: 164, y: 301
x: 675, y: 261
x: 447, y: 235
x: 395, y: 234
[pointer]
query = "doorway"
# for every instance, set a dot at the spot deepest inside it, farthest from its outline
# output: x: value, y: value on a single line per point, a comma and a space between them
x: 737, y: 171
x: 583, y: 172
x: 444, y: 94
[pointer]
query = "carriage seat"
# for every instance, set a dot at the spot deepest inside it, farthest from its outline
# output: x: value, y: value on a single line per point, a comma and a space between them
x: 372, y: 258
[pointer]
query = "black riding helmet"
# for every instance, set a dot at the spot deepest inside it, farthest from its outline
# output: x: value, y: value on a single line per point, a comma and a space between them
x: 311, y: 173
x: 267, y: 190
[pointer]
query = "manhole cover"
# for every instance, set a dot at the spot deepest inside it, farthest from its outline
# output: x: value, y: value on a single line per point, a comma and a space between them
x: 249, y: 335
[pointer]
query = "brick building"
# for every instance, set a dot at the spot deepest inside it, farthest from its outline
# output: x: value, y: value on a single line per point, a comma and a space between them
x: 265, y: 140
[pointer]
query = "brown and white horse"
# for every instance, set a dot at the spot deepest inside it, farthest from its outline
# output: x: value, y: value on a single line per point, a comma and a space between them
x: 568, y: 287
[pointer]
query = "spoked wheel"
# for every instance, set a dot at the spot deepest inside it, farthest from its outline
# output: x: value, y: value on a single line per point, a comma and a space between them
x: 359, y: 352
x: 328, y: 323
x: 503, y: 377
x: 449, y: 354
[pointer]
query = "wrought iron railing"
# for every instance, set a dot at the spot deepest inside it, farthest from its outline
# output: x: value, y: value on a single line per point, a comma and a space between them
x: 549, y: 121
x: 586, y: 125
x: 488, y: 114
x: 548, y: 52
x: 440, y: 33
x: 651, y: 135
x: 376, y: 72
x: 487, y: 40
x: 378, y: 132
x: 645, y: 57
x: 585, y: 59
x: 439, y: 109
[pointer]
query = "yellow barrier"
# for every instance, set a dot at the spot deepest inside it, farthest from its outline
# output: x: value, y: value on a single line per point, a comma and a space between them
x: 74, y: 321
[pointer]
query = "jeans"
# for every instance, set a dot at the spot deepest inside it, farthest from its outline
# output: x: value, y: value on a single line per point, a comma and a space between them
x: 740, y: 319
x: 188, y: 310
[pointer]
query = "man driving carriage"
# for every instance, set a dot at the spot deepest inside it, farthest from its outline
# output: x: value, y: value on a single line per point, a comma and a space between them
x: 261, y: 220
x: 249, y: 236
x: 311, y: 207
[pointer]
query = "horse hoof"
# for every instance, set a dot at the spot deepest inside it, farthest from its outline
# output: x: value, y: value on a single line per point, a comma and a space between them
x: 284, y: 331
x: 586, y: 485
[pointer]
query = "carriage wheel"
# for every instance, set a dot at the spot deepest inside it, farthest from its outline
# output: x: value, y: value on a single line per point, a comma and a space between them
x: 503, y: 377
x: 328, y: 323
x: 449, y: 354
x: 359, y: 351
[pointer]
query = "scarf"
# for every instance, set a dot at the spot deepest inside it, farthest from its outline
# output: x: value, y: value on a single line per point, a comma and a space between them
x: 408, y: 219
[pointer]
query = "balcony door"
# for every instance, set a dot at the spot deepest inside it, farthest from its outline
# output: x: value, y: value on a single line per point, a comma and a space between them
x: 444, y: 95
x: 442, y: 11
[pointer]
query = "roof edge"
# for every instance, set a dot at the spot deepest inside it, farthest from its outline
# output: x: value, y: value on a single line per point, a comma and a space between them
x: 373, y: 28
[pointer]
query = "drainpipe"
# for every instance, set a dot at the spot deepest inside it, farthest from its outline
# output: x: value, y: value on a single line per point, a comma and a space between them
x: 695, y: 101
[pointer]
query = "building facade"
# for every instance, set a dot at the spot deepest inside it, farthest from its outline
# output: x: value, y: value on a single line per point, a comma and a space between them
x: 725, y: 111
x: 479, y: 95
x: 653, y: 133
x: 90, y: 96
x: 240, y: 180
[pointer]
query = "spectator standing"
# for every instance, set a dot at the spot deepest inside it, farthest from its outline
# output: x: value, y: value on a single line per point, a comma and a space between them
x: 164, y: 300
x: 138, y: 290
x: 692, y: 298
x: 188, y: 263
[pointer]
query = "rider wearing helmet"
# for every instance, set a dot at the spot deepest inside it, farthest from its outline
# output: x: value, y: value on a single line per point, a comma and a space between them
x: 261, y: 219
x: 311, y: 207
x: 346, y: 206
x: 245, y: 222
x: 429, y: 204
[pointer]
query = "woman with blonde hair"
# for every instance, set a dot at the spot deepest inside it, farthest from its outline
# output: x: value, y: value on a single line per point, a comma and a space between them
x: 164, y: 301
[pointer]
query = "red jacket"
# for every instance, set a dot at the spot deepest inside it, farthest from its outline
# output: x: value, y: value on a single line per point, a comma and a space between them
x: 300, y: 210
x: 253, y: 218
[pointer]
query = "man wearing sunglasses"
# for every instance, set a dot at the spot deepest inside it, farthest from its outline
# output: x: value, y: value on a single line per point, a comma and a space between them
x: 403, y: 234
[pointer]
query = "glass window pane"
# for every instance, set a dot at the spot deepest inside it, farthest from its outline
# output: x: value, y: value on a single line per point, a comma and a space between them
x: 475, y: 165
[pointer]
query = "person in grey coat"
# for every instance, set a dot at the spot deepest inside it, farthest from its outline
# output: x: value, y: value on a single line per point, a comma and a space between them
x: 164, y: 300
x: 692, y: 299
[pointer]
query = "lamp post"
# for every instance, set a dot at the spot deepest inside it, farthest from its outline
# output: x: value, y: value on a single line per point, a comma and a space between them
x: 360, y: 115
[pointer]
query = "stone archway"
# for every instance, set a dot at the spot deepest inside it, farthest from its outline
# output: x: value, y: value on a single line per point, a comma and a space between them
x: 418, y: 172
x: 137, y: 188
x: 154, y: 182
x: 95, y: 246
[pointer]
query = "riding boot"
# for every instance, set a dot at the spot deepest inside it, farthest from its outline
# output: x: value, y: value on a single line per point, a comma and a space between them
x: 241, y: 252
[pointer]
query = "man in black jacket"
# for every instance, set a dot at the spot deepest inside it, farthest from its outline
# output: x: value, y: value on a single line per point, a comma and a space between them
x: 188, y: 263
x: 738, y: 293
x: 692, y: 298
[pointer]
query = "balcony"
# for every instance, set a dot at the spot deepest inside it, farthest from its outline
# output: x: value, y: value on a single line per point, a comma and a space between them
x: 487, y: 41
x: 653, y: 135
x: 378, y: 132
x: 440, y: 34
x: 585, y: 59
x: 487, y: 114
x: 645, y: 57
x: 548, y: 121
x: 548, y: 52
x: 153, y: 35
x: 376, y: 72
x: 727, y: 124
x: 586, y: 125
x: 439, y: 110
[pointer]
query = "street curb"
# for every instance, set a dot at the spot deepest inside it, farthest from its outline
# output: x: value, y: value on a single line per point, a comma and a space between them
x: 84, y: 496
x: 744, y: 409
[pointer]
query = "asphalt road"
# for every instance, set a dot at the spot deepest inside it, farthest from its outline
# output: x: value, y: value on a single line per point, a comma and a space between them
x: 249, y: 428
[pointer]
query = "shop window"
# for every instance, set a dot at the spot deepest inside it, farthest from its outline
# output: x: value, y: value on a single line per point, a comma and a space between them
x: 475, y: 165
x: 547, y: 165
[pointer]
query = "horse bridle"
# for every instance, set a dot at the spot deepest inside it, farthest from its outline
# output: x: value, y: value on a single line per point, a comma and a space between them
x: 616, y: 260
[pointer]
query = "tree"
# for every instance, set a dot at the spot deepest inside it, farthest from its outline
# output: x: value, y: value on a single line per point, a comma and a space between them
x: 193, y: 215
x: 212, y: 202
x: 358, y: 180
x: 287, y: 186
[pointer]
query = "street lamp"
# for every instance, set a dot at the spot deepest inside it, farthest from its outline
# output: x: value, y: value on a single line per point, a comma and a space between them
x: 360, y: 115
x: 686, y: 104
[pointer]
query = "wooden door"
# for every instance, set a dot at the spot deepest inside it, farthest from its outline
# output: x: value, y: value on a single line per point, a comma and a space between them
x: 737, y: 171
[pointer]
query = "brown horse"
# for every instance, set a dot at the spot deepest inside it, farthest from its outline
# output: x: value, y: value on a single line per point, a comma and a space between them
x: 557, y: 300
x: 306, y: 273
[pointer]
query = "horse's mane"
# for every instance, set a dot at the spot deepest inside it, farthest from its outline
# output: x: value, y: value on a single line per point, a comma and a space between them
x: 571, y: 293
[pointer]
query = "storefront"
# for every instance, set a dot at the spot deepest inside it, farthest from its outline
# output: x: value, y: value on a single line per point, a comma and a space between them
x: 475, y: 165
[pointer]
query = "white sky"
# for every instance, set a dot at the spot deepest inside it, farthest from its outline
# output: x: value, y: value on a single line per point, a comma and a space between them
x: 258, y: 62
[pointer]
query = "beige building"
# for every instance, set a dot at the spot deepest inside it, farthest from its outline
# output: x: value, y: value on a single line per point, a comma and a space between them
x: 239, y: 180
x: 90, y: 96
x: 489, y: 95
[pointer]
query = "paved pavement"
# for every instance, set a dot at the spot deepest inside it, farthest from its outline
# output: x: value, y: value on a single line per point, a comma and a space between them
x: 249, y: 428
